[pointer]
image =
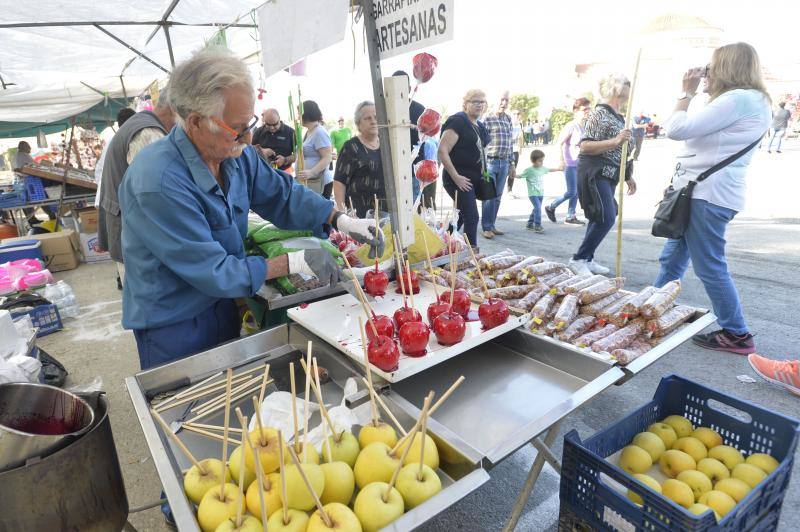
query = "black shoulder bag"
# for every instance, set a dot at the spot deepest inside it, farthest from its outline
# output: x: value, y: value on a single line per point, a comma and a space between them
x: 673, y: 211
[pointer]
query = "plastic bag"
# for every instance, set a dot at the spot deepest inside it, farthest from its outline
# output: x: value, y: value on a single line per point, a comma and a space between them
x: 577, y: 287
x: 485, y: 261
x: 637, y: 348
x: 631, y: 308
x: 560, y: 287
x: 501, y: 263
x: 621, y: 338
x: 542, y: 308
x: 426, y: 171
x: 552, y: 279
x: 530, y: 299
x: 579, y: 326
x: 94, y: 385
x: 590, y: 337
x: 535, y: 271
x: 669, y: 321
x: 600, y: 290
x: 276, y: 412
x: 512, y: 292
x: 567, y: 312
x: 599, y: 305
x: 661, y: 300
x: 510, y: 273
x: 613, y: 312
x: 429, y: 123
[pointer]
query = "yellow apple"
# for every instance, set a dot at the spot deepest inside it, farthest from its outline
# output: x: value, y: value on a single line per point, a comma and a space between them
x: 312, y: 456
x: 213, y: 510
x: 249, y: 524
x: 272, y: 495
x: 700, y: 509
x: 709, y: 437
x: 764, y: 461
x: 267, y: 445
x: 415, y: 489
x: 734, y: 487
x: 342, y: 519
x: 196, y: 484
x: 345, y: 449
x: 683, y: 427
x: 650, y: 443
x: 673, y: 462
x: 719, y: 501
x: 648, y: 481
x: 297, y: 521
x: 376, y: 506
x: 713, y: 469
x: 431, y: 453
x: 749, y: 474
x: 727, y: 455
x: 691, y: 446
x: 696, y: 480
x: 634, y: 459
x: 297, y: 494
x: 375, y: 463
x: 382, y: 432
x: 340, y: 483
x: 679, y: 492
x: 665, y: 432
x: 234, y: 463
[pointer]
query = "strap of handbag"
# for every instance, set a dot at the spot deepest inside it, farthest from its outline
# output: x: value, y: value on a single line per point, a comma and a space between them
x: 722, y: 164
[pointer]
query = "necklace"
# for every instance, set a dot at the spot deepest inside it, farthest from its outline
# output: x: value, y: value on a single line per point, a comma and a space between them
x: 372, y: 145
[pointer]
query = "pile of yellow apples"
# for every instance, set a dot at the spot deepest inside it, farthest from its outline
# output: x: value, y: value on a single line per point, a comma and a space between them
x: 703, y: 474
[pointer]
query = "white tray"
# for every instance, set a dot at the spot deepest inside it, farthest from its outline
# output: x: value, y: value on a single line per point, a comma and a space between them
x: 336, y: 321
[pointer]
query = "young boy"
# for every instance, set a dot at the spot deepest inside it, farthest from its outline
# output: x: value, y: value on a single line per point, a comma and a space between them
x: 533, y: 175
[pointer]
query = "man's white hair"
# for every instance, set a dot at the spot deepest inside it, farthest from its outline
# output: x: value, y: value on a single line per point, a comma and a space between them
x: 612, y: 85
x: 198, y: 84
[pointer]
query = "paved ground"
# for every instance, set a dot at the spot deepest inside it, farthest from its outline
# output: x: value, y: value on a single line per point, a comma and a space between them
x: 764, y: 255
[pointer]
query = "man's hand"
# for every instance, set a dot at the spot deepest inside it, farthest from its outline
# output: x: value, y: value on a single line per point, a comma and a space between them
x: 363, y: 232
x: 316, y: 262
x: 268, y: 152
x: 280, y: 160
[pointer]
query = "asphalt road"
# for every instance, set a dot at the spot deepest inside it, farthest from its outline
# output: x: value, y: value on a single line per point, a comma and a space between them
x: 764, y: 256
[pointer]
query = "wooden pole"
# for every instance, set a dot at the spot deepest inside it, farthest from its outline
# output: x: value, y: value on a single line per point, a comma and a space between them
x: 623, y: 164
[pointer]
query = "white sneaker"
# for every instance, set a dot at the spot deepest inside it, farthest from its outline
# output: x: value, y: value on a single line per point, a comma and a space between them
x: 597, y: 269
x: 580, y: 266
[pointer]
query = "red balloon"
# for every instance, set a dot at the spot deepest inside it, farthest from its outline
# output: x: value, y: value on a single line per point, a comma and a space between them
x: 424, y: 66
x: 429, y: 122
x: 426, y: 171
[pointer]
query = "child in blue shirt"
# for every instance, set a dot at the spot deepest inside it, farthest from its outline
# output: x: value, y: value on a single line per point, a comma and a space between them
x: 533, y: 175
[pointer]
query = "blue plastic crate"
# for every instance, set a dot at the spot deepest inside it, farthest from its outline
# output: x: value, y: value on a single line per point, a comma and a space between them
x: 589, y: 502
x: 34, y: 188
x: 45, y: 317
x: 12, y: 199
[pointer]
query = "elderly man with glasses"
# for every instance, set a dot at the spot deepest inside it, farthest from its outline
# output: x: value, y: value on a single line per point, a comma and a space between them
x: 275, y: 140
x: 185, y: 201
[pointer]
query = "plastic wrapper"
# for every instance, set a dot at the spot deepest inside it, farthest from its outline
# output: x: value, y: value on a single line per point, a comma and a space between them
x: 533, y: 296
x: 567, y: 312
x: 552, y: 313
x: 429, y: 122
x: 621, y: 338
x: 509, y: 275
x: 613, y: 312
x: 462, y: 281
x: 595, y: 308
x: 579, y: 326
x: 636, y: 349
x: 542, y: 308
x: 425, y: 275
x: 590, y: 337
x: 535, y: 271
x: 485, y: 261
x: 669, y: 321
x: 631, y: 308
x: 600, y: 290
x: 560, y: 287
x: 468, y: 264
x: 501, y: 263
x: 577, y: 287
x: 512, y: 292
x: 555, y: 278
x: 426, y: 171
x: 276, y: 412
x: 661, y: 300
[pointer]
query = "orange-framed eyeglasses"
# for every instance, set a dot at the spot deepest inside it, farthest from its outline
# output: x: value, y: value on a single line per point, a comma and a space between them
x: 237, y: 135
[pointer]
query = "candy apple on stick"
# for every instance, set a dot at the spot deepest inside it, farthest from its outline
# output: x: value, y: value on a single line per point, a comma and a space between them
x: 376, y: 430
x: 379, y: 324
x: 405, y: 313
x: 376, y: 281
x: 242, y: 523
x: 493, y: 311
x: 437, y: 307
x: 413, y: 335
x: 449, y: 326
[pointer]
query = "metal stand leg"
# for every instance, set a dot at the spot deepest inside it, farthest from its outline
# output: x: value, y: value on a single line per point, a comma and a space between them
x: 533, y: 474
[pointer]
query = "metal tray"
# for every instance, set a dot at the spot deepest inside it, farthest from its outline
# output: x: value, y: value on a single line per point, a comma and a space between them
x: 460, y: 469
x: 336, y: 321
x: 305, y: 296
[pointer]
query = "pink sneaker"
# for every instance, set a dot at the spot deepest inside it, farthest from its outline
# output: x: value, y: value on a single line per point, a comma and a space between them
x: 785, y: 373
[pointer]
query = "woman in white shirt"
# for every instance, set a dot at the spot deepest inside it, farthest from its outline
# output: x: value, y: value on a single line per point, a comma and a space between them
x: 738, y: 113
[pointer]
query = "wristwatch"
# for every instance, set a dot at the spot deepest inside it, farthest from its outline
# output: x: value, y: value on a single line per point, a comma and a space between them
x: 686, y: 96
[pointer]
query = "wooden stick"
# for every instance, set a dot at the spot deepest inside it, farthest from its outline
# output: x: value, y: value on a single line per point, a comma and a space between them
x: 410, y: 286
x: 305, y: 402
x: 263, y: 384
x: 399, y: 269
x: 206, y: 390
x: 322, y: 408
x: 221, y: 398
x: 375, y: 417
x: 302, y: 473
x: 361, y: 297
x: 210, y: 427
x: 259, y: 425
x: 210, y: 435
x: 284, y: 502
x: 259, y: 472
x: 239, y: 500
x: 477, y: 266
x: 623, y: 164
x: 397, y: 469
x: 318, y: 392
x: 350, y: 200
x: 452, y: 269
x: 164, y: 404
x: 219, y: 407
x: 227, y: 419
x: 385, y: 408
x: 422, y: 443
x: 430, y: 264
x: 414, y: 429
x: 178, y: 442
x: 294, y: 403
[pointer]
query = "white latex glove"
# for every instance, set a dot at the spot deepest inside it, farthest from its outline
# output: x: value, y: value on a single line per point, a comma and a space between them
x: 363, y: 232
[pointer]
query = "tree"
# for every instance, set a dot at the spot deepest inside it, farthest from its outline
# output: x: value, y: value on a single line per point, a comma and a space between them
x: 525, y: 104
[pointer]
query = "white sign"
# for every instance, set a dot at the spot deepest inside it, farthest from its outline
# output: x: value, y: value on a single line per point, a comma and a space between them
x: 293, y: 29
x: 403, y: 26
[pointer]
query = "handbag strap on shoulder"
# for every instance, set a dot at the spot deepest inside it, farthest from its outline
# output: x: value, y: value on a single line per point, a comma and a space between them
x: 722, y: 164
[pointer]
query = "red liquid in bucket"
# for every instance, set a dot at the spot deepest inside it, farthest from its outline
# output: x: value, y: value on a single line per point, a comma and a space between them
x: 45, y: 426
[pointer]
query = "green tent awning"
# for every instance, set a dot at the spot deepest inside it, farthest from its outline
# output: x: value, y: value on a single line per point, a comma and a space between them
x: 100, y: 116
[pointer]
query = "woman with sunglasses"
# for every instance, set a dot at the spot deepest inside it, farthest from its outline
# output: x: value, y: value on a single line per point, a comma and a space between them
x: 737, y: 115
x: 317, y: 152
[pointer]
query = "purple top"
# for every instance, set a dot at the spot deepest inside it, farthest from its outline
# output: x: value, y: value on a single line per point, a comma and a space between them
x: 571, y: 137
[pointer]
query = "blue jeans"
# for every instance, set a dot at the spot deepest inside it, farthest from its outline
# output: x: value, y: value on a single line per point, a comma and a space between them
x: 597, y: 231
x: 536, y: 214
x: 779, y: 133
x: 467, y: 210
x: 499, y: 170
x: 215, y: 325
x: 704, y: 244
x: 571, y: 176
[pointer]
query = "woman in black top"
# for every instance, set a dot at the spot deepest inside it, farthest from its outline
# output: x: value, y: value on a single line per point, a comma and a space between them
x: 462, y: 152
x: 598, y: 170
x: 359, y: 171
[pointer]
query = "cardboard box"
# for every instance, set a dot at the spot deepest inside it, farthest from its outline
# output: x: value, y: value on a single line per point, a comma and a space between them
x: 87, y: 220
x: 60, y: 250
x: 90, y: 250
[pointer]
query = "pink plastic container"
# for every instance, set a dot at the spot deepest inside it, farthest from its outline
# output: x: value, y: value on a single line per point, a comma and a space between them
x: 29, y: 265
x: 6, y: 286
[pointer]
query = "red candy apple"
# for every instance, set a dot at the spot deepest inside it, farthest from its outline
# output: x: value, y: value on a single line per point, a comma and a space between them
x: 426, y: 171
x: 383, y: 324
x: 461, y: 302
x: 414, y: 283
x: 493, y: 312
x: 434, y: 309
x: 375, y: 283
x: 424, y: 66
x: 429, y: 122
x: 414, y: 337
x: 383, y: 353
x: 404, y: 315
x: 449, y: 328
